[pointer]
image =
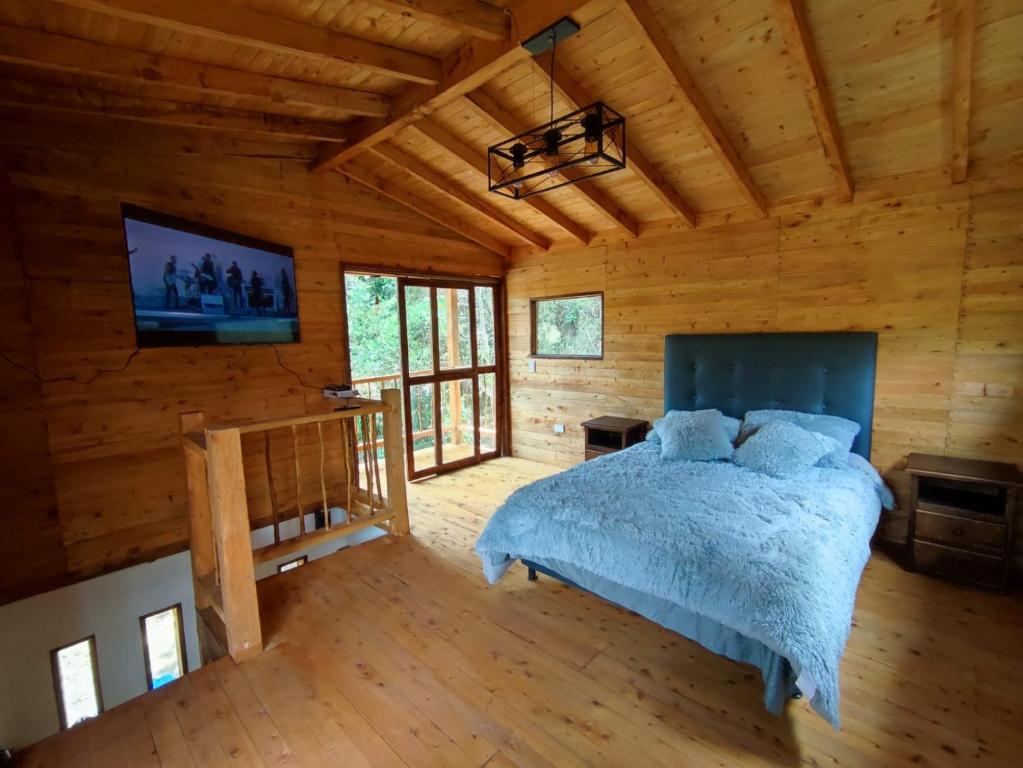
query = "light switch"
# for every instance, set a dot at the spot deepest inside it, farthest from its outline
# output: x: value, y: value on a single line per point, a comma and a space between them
x: 559, y: 429
x: 532, y: 365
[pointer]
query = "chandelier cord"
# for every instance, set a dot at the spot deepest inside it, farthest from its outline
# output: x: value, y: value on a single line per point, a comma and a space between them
x: 554, y: 50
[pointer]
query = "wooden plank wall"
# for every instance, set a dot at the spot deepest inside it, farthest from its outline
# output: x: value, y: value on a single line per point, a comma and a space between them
x: 114, y: 442
x: 987, y: 398
x: 937, y: 274
x: 31, y: 543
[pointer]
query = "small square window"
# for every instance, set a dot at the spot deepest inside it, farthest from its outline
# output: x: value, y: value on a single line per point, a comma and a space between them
x: 76, y: 681
x: 568, y: 326
x: 291, y: 565
x: 163, y: 645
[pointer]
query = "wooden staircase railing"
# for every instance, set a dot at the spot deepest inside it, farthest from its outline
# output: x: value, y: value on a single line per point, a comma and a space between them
x: 350, y: 485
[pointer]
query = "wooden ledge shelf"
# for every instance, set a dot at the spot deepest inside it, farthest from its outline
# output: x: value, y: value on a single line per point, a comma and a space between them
x: 364, y: 408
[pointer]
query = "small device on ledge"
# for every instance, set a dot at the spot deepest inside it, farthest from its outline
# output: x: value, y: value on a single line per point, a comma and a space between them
x: 343, y: 393
x: 608, y: 434
x: 961, y: 518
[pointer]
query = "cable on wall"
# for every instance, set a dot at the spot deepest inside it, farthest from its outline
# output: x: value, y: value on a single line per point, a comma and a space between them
x: 74, y: 379
x: 121, y: 368
x: 294, y: 373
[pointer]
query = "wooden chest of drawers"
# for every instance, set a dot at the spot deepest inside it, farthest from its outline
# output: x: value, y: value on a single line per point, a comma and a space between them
x: 961, y: 518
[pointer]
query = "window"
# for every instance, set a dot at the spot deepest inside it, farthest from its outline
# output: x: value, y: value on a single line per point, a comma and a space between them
x: 293, y: 564
x: 568, y: 326
x: 163, y: 645
x: 76, y: 682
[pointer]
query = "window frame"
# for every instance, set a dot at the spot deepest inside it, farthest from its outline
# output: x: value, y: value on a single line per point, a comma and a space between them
x: 182, y: 648
x: 58, y: 688
x: 532, y: 326
x: 303, y: 560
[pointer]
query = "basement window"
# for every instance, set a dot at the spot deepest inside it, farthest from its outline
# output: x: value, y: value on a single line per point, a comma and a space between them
x: 568, y: 326
x: 291, y: 565
x: 163, y: 645
x: 76, y: 682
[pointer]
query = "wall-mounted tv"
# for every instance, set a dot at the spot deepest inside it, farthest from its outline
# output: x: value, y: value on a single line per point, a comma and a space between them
x: 192, y: 284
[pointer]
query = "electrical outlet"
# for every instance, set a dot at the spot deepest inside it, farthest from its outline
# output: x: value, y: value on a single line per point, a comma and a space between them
x: 559, y: 429
x: 532, y: 365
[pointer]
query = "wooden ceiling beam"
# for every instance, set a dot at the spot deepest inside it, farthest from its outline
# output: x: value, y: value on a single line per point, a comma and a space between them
x: 796, y: 29
x: 27, y: 127
x: 649, y: 30
x: 964, y: 31
x: 66, y: 54
x: 504, y: 121
x: 470, y: 17
x: 636, y: 161
x: 66, y: 99
x: 478, y: 162
x: 466, y: 69
x: 444, y: 185
x: 244, y: 26
x: 403, y: 197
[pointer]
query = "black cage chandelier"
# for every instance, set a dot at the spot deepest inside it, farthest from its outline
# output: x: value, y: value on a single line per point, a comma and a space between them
x: 587, y: 143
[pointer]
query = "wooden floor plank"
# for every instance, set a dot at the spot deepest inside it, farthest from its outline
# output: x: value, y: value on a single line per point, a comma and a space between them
x: 171, y: 744
x: 420, y: 636
x: 235, y: 740
x: 398, y: 653
x: 122, y: 738
x: 195, y: 719
x: 398, y: 669
x: 415, y: 642
x: 289, y: 714
x: 42, y: 755
x: 267, y: 738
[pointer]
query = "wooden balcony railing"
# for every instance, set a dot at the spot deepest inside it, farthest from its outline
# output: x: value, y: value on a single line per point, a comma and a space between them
x: 331, y: 448
x: 453, y: 425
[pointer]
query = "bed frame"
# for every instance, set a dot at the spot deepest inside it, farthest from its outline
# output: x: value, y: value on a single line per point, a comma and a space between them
x: 829, y: 373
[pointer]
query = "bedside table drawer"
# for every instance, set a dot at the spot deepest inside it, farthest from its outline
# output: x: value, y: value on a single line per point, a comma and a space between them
x: 958, y: 564
x: 960, y: 532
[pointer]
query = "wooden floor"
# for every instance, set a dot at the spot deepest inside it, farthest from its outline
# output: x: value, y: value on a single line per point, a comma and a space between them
x: 398, y: 653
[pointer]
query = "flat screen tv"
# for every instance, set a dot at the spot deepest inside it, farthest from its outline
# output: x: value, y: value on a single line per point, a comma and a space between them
x: 192, y: 284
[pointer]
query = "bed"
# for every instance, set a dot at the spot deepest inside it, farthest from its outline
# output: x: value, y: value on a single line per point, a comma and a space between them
x: 759, y: 569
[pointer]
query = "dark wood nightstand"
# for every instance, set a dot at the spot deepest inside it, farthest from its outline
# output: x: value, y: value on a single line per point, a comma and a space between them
x: 608, y: 434
x: 961, y: 518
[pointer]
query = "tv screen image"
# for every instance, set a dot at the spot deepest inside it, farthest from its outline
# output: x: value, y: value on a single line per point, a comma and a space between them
x: 192, y: 284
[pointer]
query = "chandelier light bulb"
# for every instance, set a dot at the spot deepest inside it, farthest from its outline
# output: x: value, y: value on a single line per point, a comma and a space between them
x: 591, y: 136
x: 552, y: 147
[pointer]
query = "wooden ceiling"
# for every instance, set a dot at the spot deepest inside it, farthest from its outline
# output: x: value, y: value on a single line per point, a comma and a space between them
x: 734, y: 108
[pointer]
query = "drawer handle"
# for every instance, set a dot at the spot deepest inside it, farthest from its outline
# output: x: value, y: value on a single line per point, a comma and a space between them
x: 957, y: 531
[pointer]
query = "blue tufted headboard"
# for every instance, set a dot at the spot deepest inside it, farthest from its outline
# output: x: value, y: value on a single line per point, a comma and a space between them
x: 739, y: 372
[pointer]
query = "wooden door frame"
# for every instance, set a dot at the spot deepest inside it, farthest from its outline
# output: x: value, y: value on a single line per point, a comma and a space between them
x: 438, y: 376
x: 502, y: 399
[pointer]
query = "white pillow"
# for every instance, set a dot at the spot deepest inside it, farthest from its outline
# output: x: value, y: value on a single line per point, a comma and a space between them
x: 731, y: 425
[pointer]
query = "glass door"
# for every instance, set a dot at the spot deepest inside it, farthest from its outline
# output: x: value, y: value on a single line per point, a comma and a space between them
x: 449, y: 373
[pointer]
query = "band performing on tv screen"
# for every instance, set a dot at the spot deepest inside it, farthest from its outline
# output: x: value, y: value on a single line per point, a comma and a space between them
x: 251, y: 296
x: 208, y: 288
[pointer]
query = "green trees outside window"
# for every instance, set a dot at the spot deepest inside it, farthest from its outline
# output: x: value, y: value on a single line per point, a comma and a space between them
x: 568, y: 326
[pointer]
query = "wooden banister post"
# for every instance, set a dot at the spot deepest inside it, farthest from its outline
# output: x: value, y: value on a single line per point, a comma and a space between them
x: 323, y: 476
x: 298, y: 479
x: 454, y: 392
x: 200, y: 522
x: 394, y: 456
x: 271, y: 486
x: 231, y: 529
